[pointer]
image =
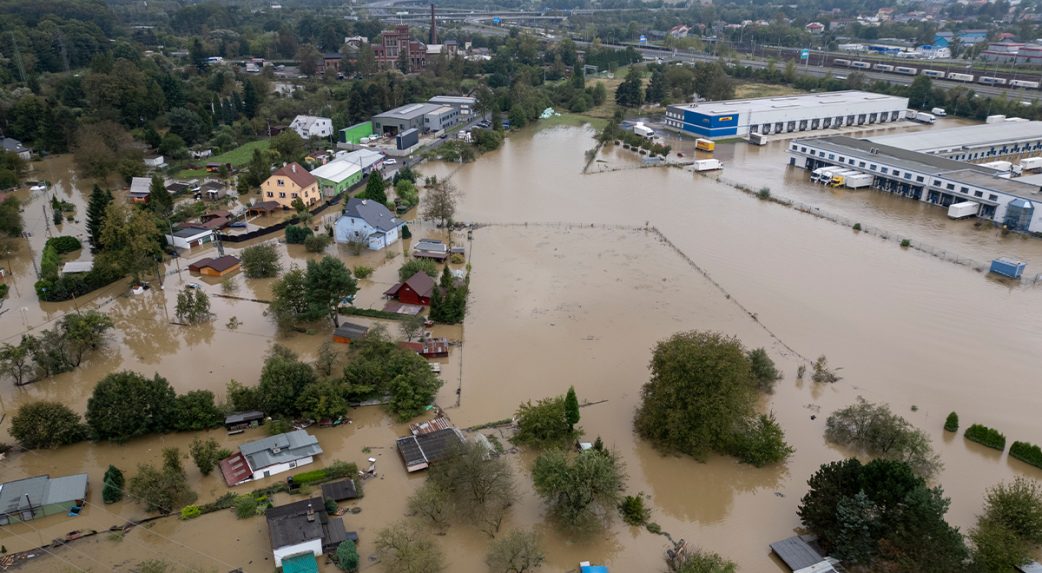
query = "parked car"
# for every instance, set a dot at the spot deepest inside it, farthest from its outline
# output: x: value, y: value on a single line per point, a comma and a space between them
x: 390, y: 161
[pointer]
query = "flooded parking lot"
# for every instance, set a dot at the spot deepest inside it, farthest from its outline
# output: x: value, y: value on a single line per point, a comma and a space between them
x: 573, y: 282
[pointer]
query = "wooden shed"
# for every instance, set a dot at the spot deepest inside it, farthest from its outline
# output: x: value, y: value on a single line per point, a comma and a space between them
x: 416, y: 290
x: 215, y: 267
x: 347, y: 332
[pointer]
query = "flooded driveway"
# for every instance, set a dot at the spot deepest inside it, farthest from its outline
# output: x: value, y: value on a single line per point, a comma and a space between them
x: 575, y: 277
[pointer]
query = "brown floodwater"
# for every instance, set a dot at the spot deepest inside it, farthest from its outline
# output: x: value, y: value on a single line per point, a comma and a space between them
x: 567, y: 289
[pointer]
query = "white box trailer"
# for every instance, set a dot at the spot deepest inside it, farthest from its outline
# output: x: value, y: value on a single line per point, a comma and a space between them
x: 707, y: 165
x: 923, y: 117
x: 839, y: 178
x: 859, y: 181
x: 1001, y: 166
x: 1031, y: 163
x: 643, y: 130
x: 824, y: 174
x: 995, y: 119
x: 963, y: 210
x: 939, y: 111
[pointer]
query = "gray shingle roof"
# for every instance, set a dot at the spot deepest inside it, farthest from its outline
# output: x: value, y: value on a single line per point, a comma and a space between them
x: 279, y: 449
x: 373, y: 213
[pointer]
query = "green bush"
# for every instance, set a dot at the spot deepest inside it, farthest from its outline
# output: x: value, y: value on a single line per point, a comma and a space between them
x: 372, y: 313
x: 3, y: 291
x: 313, y: 476
x: 297, y: 234
x: 347, y: 556
x: 1027, y: 453
x: 633, y: 510
x: 65, y: 288
x: 64, y: 244
x: 362, y: 271
x: 952, y: 423
x: 191, y: 512
x: 330, y: 504
x: 986, y: 436
x: 316, y: 243
x: 905, y: 243
x: 245, y: 507
x: 857, y: 226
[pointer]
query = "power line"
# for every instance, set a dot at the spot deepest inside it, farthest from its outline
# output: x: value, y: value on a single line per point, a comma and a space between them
x: 52, y: 554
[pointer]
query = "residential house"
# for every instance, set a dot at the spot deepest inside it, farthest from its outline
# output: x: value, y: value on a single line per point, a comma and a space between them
x: 392, y: 44
x: 140, y: 188
x: 680, y: 31
x: 12, y: 145
x: 419, y: 451
x: 77, y: 267
x: 213, y: 190
x: 368, y: 222
x: 269, y: 456
x: 417, y: 289
x: 29, y: 498
x: 288, y: 183
x: 331, y: 62
x: 189, y: 236
x: 263, y: 208
x: 304, y: 528
x: 155, y: 162
x: 308, y: 126
x: 337, y: 176
x: 348, y: 332
x: 215, y: 267
x: 815, y: 27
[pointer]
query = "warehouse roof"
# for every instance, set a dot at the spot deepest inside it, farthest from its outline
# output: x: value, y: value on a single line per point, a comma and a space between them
x: 815, y: 100
x: 970, y: 136
x: 877, y: 152
x: 456, y: 100
x: 337, y: 170
x: 407, y: 112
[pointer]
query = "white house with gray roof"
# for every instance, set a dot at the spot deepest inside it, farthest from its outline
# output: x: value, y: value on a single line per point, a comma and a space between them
x: 269, y: 456
x: 367, y: 222
x: 308, y: 126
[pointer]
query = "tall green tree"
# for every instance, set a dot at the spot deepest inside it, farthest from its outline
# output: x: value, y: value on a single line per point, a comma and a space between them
x: 196, y: 410
x: 290, y: 304
x: 630, y: 93
x: 46, y: 424
x: 1009, y: 530
x: 571, y: 407
x: 581, y: 491
x: 250, y: 101
x: 374, y: 189
x: 205, y: 454
x: 113, y: 483
x: 162, y: 490
x: 125, y: 405
x: 328, y: 282
x: 284, y: 378
x: 131, y: 240
x: 515, y: 552
x: 159, y: 199
x: 96, y: 209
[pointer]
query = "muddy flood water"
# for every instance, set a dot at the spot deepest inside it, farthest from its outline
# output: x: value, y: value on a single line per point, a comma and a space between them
x: 575, y: 277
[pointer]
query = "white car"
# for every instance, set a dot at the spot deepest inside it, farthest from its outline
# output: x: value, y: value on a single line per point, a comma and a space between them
x: 39, y: 187
x: 390, y: 162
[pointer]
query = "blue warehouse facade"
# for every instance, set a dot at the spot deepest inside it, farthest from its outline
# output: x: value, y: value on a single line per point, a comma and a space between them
x: 788, y: 114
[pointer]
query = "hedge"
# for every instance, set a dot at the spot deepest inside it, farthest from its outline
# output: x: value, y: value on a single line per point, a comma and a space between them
x: 66, y: 287
x: 371, y: 313
x: 64, y: 244
x: 334, y: 471
x: 952, y: 423
x: 297, y: 234
x: 1027, y: 453
x: 986, y: 436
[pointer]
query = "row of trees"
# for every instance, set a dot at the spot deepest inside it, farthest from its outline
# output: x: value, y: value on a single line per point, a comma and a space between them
x: 55, y: 350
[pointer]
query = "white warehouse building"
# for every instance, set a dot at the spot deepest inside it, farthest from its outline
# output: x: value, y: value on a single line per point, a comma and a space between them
x: 929, y: 178
x: 788, y: 114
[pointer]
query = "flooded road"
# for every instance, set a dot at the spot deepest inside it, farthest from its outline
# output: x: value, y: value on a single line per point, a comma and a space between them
x: 569, y: 288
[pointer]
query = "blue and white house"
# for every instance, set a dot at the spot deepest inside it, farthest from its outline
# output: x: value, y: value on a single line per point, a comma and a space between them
x: 785, y: 114
x: 367, y: 222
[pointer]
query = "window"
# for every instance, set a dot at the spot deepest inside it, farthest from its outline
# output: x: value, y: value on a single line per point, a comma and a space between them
x: 873, y: 166
x: 919, y: 179
x: 950, y: 186
x: 978, y: 193
x: 282, y: 195
x: 293, y: 195
x: 964, y: 189
x: 937, y: 182
x: 908, y: 176
x: 270, y: 194
x: 280, y: 182
x: 883, y: 170
x: 292, y: 465
x: 897, y: 173
x: 993, y: 197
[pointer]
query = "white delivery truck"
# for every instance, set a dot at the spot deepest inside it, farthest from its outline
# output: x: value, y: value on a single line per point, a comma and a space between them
x: 824, y: 174
x: 643, y: 130
x: 1001, y: 166
x: 1031, y: 163
x: 995, y: 119
x: 963, y: 210
x: 859, y: 181
x: 939, y: 111
x: 707, y: 165
x: 923, y: 117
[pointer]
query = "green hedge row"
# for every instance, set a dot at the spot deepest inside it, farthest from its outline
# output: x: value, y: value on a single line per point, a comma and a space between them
x: 66, y: 287
x: 64, y: 244
x: 986, y: 436
x: 334, y: 471
x: 1027, y: 453
x: 371, y: 313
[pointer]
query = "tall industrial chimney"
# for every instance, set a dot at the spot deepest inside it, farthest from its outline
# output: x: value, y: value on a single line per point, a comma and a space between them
x: 434, y: 27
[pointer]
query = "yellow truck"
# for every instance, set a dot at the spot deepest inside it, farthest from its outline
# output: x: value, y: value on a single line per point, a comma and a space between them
x: 705, y: 145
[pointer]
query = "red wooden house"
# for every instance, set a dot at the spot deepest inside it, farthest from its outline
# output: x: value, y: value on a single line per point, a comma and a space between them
x: 416, y: 290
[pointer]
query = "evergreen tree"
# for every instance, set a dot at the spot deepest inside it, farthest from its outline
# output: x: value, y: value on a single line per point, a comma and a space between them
x: 657, y: 88
x: 159, y: 199
x: 99, y: 202
x: 250, y: 101
x: 112, y: 491
x: 630, y: 93
x: 374, y: 189
x: 571, y: 407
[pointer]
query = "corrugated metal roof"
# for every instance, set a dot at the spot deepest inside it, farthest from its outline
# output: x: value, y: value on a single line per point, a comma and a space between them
x: 796, y: 553
x: 935, y: 140
x: 814, y: 100
x: 66, y: 488
x: 337, y: 170
x: 280, y: 448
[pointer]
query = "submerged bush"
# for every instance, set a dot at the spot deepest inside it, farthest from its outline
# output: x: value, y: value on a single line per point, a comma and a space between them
x: 952, y: 422
x: 986, y: 436
x: 1027, y: 453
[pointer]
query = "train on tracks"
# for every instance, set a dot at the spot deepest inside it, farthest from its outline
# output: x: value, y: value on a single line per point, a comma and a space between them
x: 936, y: 74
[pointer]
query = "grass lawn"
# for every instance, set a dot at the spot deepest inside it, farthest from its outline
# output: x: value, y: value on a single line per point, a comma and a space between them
x: 751, y: 90
x: 237, y: 157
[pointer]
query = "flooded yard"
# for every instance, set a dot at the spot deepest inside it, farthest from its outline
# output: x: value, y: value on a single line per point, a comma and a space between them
x: 575, y: 277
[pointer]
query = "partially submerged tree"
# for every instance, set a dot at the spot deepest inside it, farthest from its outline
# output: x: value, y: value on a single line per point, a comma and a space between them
x: 112, y: 485
x: 125, y: 405
x: 408, y: 550
x: 46, y: 424
x: 1009, y: 530
x: 131, y: 240
x: 480, y: 489
x: 516, y: 552
x: 440, y: 202
x: 581, y: 490
x: 205, y: 454
x: 874, y: 430
x: 261, y: 261
x: 193, y: 306
x: 162, y: 490
x: 544, y: 423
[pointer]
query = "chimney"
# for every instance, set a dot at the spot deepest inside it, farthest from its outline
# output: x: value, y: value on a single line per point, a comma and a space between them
x: 434, y: 27
x: 311, y: 513
x: 293, y: 167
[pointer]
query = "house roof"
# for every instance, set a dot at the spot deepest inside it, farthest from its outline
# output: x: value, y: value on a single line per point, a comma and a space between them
x: 41, y: 490
x: 279, y: 449
x: 220, y: 264
x: 421, y: 283
x: 340, y: 490
x: 431, y: 245
x: 240, y: 417
x: 1032, y: 567
x: 307, y: 121
x: 288, y: 524
x: 213, y: 186
x: 337, y: 170
x: 265, y: 206
x: 177, y: 187
x: 429, y: 448
x: 72, y: 267
x: 373, y: 213
x: 407, y: 112
x: 453, y: 100
x: 364, y: 158
x: 351, y: 331
x: 140, y: 186
x: 295, y: 173
x: 192, y: 232
x: 13, y: 145
x: 796, y: 553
